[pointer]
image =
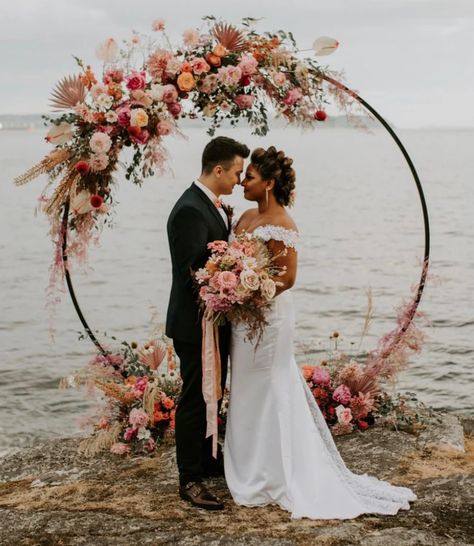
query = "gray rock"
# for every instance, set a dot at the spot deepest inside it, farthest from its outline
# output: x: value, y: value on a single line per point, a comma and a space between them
x: 444, y: 429
x: 51, y: 495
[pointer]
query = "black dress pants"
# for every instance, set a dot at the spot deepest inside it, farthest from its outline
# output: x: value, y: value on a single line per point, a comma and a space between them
x: 193, y: 449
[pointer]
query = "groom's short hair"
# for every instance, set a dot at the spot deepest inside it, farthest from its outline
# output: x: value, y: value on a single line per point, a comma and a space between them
x: 222, y: 151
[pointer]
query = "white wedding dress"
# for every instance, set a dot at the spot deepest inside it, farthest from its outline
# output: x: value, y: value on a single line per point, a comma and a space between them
x: 278, y: 448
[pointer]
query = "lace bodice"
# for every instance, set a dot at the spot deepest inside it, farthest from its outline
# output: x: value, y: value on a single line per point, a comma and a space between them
x: 289, y: 237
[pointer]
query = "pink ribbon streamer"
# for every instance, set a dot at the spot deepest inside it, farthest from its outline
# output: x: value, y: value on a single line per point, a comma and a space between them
x: 211, y: 377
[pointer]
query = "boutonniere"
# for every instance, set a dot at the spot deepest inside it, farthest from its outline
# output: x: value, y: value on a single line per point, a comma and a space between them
x: 229, y: 210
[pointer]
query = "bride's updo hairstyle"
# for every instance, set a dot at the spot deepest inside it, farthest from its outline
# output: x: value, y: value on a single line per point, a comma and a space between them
x: 271, y: 164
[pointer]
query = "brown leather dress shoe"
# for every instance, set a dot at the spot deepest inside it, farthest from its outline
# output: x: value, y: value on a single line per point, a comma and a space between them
x: 198, y: 495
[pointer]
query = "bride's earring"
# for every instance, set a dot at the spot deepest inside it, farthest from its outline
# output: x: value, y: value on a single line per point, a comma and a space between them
x: 266, y: 197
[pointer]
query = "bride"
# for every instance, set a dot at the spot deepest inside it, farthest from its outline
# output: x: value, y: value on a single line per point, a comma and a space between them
x: 278, y: 448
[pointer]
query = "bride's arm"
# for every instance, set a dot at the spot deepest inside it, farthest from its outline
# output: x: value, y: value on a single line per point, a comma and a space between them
x: 287, y: 259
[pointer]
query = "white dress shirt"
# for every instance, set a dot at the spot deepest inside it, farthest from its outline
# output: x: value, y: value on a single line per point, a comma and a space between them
x: 212, y: 197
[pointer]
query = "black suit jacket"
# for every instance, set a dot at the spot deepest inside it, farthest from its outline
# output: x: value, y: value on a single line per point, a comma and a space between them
x: 193, y: 223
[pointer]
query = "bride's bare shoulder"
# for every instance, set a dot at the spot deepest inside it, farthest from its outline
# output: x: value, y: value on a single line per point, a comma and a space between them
x: 286, y: 221
x: 246, y: 216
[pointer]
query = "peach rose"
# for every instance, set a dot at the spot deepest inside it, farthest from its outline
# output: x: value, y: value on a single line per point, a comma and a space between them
x: 249, y: 279
x: 344, y: 415
x: 186, y: 81
x: 138, y: 118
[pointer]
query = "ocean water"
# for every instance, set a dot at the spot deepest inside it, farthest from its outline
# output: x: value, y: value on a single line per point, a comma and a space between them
x: 361, y: 225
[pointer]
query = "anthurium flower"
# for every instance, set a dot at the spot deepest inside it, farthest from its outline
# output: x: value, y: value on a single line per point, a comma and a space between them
x: 107, y: 51
x: 60, y: 134
x: 325, y: 45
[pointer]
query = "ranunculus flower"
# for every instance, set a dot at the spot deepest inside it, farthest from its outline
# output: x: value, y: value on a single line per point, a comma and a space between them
x: 344, y: 415
x: 307, y: 371
x: 107, y: 51
x: 244, y: 101
x: 342, y: 394
x: 321, y: 376
x: 320, y: 115
x: 98, y: 162
x: 248, y: 65
x: 100, y: 143
x: 186, y: 67
x: 186, y: 81
x: 138, y: 418
x: 164, y: 127
x: 138, y: 118
x: 268, y: 289
x: 60, y: 134
x: 174, y: 109
x: 363, y: 425
x: 249, y: 279
x: 119, y: 448
x: 136, y: 80
x: 170, y: 93
x: 325, y: 45
x: 82, y: 166
x: 111, y: 116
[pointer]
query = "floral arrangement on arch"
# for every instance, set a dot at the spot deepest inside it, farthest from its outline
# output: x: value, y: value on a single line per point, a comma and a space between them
x: 351, y: 393
x: 139, y: 388
x: 136, y: 100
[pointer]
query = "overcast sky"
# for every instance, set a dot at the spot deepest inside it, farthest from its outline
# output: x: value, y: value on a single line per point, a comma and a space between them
x: 413, y: 60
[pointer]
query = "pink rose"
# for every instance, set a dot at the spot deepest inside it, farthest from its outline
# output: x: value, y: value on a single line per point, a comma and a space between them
x: 119, y: 448
x: 293, y: 96
x: 321, y: 376
x: 170, y: 93
x: 164, y: 127
x: 200, y: 66
x: 344, y: 415
x: 138, y: 418
x: 141, y: 384
x: 136, y: 80
x: 124, y: 114
x: 244, y: 101
x: 342, y: 394
x: 248, y: 65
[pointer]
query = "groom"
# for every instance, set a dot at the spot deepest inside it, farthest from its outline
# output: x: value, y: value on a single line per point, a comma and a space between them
x: 197, y: 219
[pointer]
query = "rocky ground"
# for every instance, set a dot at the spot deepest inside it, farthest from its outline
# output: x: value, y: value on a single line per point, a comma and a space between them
x: 50, y: 495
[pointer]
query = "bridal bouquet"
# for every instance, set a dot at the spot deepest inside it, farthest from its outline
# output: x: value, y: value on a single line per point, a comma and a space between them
x: 236, y: 283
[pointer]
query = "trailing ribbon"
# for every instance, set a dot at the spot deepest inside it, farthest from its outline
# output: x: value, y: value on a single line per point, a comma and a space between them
x: 211, y: 377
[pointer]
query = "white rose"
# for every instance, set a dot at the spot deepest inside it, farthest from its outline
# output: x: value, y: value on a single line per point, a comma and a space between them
x: 104, y: 101
x: 156, y: 92
x: 249, y: 279
x: 100, y: 143
x: 268, y: 289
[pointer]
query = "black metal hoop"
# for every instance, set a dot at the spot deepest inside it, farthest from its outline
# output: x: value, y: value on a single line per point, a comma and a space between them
x: 424, y: 271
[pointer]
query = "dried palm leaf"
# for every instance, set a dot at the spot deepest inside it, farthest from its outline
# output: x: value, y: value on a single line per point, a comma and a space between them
x: 67, y: 93
x: 100, y: 441
x: 46, y: 165
x: 227, y: 35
